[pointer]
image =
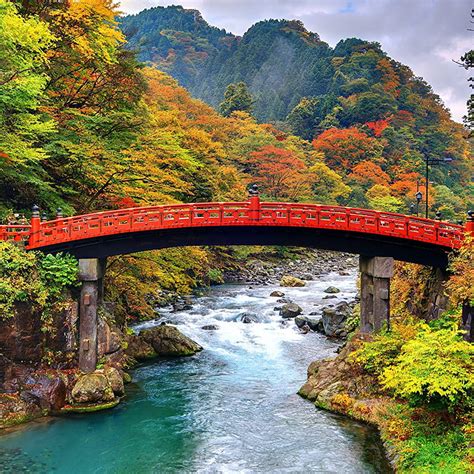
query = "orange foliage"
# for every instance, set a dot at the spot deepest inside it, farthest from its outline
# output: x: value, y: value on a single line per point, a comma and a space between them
x: 378, y: 126
x: 344, y: 148
x: 390, y: 81
x: 405, y: 184
x: 368, y: 173
x: 280, y: 172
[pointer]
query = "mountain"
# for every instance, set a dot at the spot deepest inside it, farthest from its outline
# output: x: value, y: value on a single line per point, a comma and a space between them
x: 281, y: 62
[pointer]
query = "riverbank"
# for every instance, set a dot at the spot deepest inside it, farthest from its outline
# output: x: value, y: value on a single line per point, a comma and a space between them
x: 416, y: 439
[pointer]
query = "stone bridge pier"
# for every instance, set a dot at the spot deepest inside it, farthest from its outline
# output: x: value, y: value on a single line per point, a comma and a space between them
x: 91, y: 275
x: 375, y: 275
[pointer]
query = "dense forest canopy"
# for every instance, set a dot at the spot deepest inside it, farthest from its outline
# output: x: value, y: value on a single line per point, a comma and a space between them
x: 355, y: 103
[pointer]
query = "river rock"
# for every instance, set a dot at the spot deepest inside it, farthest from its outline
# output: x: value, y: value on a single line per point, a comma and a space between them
x: 248, y: 318
x: 329, y: 297
x: 182, y: 305
x: 291, y: 281
x: 315, y: 324
x: 92, y: 388
x: 277, y: 294
x: 290, y: 310
x: 210, y: 327
x: 115, y: 380
x: 332, y: 290
x: 334, y: 319
x: 169, y: 341
x: 138, y: 348
x: 48, y: 392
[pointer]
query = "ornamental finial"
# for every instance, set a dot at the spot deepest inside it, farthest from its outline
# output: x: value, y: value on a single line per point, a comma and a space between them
x: 253, y: 190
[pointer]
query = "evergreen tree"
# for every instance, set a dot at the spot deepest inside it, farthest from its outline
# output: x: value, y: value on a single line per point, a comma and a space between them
x: 236, y: 98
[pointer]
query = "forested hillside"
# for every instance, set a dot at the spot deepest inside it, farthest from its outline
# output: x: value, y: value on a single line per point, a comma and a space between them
x: 364, y: 110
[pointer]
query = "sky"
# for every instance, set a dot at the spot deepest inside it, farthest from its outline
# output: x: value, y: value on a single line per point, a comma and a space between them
x: 426, y: 35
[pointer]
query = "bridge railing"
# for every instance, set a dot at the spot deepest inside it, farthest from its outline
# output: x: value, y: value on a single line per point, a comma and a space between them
x: 100, y: 224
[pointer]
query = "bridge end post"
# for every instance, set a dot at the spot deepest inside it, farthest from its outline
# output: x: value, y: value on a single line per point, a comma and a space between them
x: 375, y: 275
x: 91, y: 272
x: 470, y: 223
x: 35, y: 226
x: 254, y: 200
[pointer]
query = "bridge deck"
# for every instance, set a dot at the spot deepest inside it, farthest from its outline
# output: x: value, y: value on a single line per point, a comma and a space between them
x: 253, y: 213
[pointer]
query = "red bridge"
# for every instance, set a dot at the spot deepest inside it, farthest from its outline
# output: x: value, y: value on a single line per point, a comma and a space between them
x: 361, y: 231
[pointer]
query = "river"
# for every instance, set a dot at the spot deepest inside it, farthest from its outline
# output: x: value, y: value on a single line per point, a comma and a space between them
x: 231, y: 408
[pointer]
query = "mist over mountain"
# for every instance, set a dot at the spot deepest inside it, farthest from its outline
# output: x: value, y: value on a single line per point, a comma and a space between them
x: 279, y: 60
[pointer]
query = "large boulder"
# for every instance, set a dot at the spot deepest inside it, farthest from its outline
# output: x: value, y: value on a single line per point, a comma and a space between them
x: 115, y: 380
x: 334, y: 319
x: 290, y: 310
x: 138, y: 348
x: 291, y: 281
x: 169, y: 341
x: 92, y: 388
x: 48, y: 392
x: 332, y: 290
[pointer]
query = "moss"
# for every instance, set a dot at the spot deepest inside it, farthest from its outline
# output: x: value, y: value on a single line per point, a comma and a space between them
x: 90, y: 408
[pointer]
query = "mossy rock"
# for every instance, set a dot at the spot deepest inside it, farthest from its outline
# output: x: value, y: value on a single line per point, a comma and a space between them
x: 90, y: 408
x: 291, y: 281
x: 169, y: 341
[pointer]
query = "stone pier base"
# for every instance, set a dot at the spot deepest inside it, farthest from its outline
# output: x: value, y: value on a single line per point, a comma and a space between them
x: 375, y: 274
x: 91, y: 272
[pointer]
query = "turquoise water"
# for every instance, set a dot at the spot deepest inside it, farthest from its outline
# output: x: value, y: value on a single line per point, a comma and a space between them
x: 231, y: 408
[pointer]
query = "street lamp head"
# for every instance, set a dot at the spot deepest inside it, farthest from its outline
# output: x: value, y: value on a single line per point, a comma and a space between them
x: 438, y: 215
x: 419, y: 196
x: 470, y: 216
x: 412, y: 208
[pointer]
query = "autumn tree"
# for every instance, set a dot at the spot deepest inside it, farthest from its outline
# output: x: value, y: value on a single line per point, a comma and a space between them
x: 24, y: 44
x: 280, y: 173
x: 327, y: 186
x: 344, y: 148
x: 368, y: 173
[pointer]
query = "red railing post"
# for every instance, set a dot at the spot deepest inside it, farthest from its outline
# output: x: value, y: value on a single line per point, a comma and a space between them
x: 254, y: 200
x: 35, y: 227
x: 470, y: 223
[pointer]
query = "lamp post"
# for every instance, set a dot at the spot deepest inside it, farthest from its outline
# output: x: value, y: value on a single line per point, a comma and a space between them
x: 429, y: 162
x: 418, y: 197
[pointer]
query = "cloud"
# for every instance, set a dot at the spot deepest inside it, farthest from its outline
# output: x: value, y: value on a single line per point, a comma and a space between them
x: 423, y: 34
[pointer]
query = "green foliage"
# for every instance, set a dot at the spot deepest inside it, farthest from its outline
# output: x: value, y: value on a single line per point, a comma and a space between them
x: 214, y: 275
x: 237, y: 98
x: 435, y: 365
x: 24, y: 43
x: 381, y: 352
x: 58, y: 272
x: 422, y: 363
x: 32, y: 278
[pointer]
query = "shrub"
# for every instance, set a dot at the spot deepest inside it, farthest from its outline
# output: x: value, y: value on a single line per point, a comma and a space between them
x: 436, y: 365
x: 384, y: 348
x: 31, y: 277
